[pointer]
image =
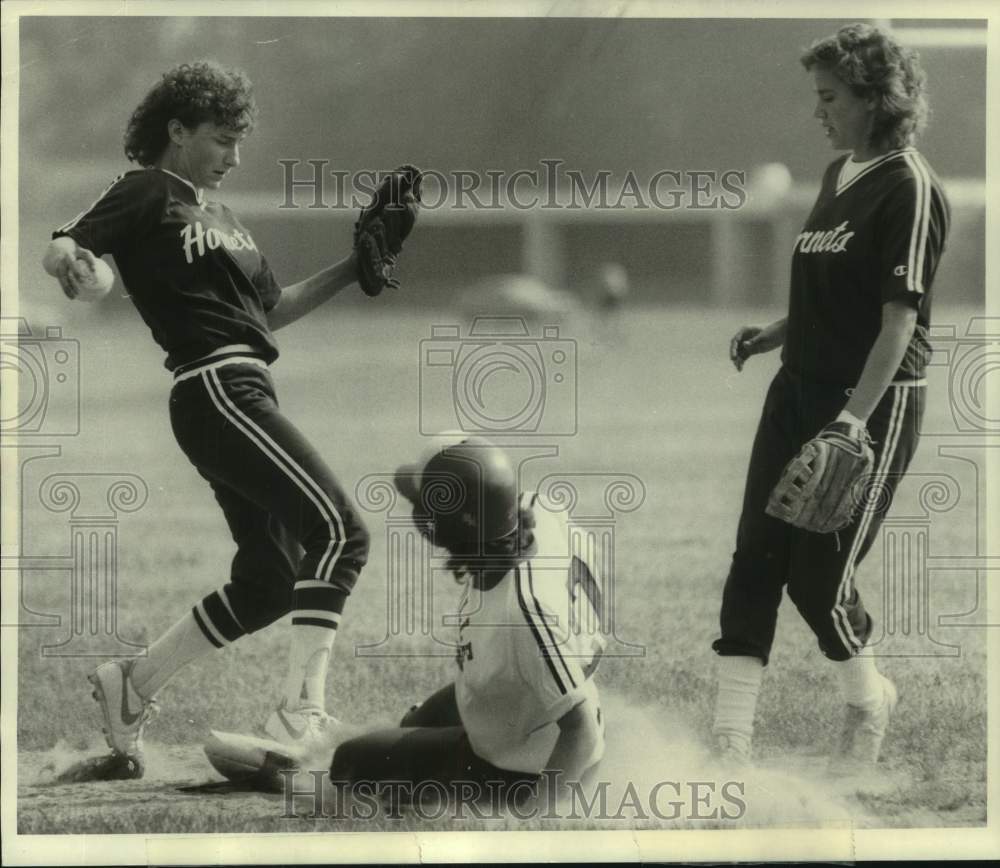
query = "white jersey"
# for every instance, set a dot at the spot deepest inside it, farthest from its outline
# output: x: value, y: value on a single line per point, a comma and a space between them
x: 527, y: 649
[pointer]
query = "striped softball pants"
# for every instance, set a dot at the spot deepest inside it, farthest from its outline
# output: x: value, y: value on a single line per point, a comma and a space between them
x: 817, y: 569
x: 299, y: 542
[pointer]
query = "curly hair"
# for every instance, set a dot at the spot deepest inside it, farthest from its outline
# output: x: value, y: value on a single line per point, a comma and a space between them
x: 873, y: 64
x: 192, y: 93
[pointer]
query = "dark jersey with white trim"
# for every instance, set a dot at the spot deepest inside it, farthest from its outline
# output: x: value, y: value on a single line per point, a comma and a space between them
x: 879, y: 238
x: 192, y: 269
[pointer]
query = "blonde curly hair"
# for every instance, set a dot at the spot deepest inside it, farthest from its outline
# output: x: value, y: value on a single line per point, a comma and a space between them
x: 873, y: 64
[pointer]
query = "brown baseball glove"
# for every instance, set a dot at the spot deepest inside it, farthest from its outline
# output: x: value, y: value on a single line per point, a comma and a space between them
x: 822, y: 488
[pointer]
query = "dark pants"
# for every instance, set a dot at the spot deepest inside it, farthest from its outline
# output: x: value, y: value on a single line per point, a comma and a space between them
x: 300, y: 543
x: 818, y: 569
x: 429, y: 745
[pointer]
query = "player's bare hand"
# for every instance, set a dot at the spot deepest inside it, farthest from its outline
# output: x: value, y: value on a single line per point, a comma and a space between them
x: 753, y: 340
x: 67, y: 277
x: 744, y: 344
x: 70, y: 264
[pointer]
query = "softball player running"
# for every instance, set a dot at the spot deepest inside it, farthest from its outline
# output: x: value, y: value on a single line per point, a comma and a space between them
x: 200, y: 282
x: 523, y: 700
x: 855, y: 348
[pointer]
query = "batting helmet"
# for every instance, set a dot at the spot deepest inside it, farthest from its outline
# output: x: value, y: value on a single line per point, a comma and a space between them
x: 464, y: 492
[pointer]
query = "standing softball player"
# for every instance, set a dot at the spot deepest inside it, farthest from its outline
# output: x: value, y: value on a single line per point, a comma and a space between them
x: 523, y: 700
x: 201, y: 284
x: 851, y: 386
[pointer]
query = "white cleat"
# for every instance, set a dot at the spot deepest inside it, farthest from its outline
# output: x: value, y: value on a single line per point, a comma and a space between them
x: 259, y: 763
x: 304, y: 731
x: 125, y: 712
x: 863, y: 733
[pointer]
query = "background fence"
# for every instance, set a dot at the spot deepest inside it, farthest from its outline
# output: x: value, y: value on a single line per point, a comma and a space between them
x: 476, y: 95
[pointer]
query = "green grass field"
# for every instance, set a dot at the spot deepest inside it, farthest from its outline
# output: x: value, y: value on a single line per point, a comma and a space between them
x: 657, y: 399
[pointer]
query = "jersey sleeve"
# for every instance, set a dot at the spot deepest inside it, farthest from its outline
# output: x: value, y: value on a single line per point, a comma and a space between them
x: 127, y: 209
x: 913, y: 229
x: 560, y: 647
x: 267, y: 285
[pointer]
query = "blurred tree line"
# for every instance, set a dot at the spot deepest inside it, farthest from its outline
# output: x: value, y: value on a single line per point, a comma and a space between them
x: 613, y: 94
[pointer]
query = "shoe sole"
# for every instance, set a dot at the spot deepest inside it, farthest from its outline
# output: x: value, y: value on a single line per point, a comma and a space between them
x: 101, y: 697
x: 249, y: 760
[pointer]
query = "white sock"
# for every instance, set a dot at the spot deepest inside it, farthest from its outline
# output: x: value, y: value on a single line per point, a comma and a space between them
x: 860, y: 682
x: 736, y: 702
x: 181, y: 644
x: 308, y: 661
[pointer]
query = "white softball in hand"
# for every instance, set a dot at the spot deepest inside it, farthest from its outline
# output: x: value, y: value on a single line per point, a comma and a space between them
x: 93, y: 279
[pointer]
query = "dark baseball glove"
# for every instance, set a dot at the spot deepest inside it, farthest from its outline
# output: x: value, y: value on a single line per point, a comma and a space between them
x: 382, y: 228
x: 822, y: 487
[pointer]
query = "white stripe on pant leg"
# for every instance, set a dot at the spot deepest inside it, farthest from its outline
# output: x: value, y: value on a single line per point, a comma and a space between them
x: 893, y: 431
x: 338, y: 537
x: 222, y: 640
x: 229, y: 608
x: 840, y: 620
x: 288, y: 466
x: 295, y: 472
